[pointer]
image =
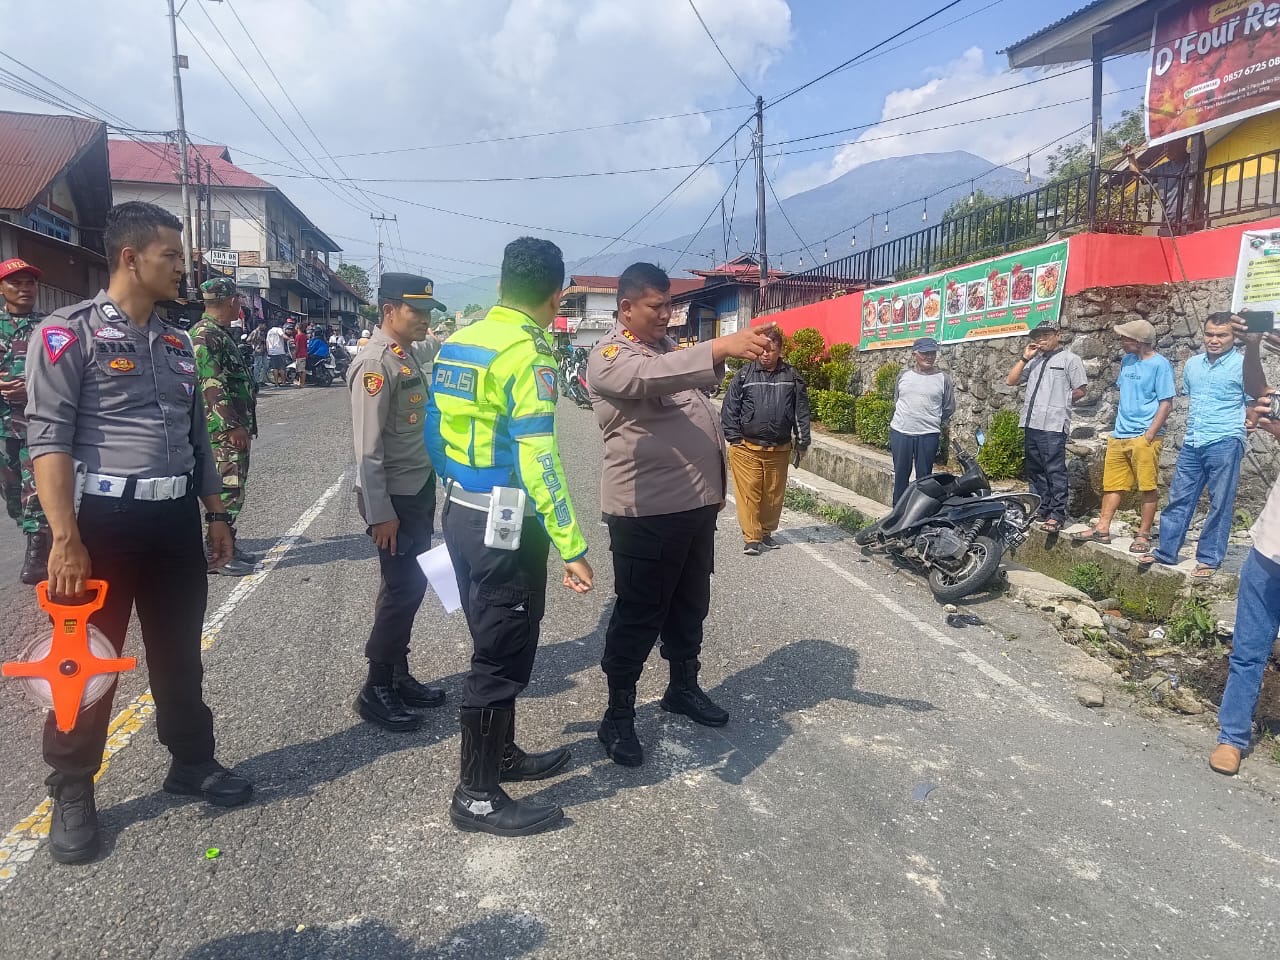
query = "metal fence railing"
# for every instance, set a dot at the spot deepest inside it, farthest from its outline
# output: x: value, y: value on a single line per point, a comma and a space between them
x: 1098, y: 201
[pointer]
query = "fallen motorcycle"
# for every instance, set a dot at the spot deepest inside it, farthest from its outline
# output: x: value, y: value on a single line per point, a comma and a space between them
x: 954, y: 527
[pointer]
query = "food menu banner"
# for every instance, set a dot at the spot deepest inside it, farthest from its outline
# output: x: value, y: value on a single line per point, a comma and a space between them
x: 1257, y: 284
x: 1212, y: 62
x: 979, y: 301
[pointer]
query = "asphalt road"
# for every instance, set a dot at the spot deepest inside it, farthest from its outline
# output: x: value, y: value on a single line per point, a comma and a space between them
x: 887, y: 787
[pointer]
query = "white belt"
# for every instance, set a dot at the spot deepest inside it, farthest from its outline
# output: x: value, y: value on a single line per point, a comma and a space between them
x: 151, y: 488
x: 480, y: 501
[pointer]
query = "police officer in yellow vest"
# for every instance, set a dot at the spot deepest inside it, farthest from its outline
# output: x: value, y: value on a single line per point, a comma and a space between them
x: 396, y: 493
x: 491, y: 434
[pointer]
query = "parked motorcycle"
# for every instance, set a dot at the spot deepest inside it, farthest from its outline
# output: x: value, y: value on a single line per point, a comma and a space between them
x: 955, y: 528
x: 340, y: 362
x: 573, y: 377
x: 320, y: 371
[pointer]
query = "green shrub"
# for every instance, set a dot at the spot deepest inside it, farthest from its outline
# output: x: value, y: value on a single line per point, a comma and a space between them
x: 1090, y: 578
x: 838, y: 374
x: 841, y: 352
x: 731, y: 367
x: 872, y: 415
x: 805, y: 350
x: 1001, y: 456
x: 1192, y: 624
x: 887, y: 380
x: 834, y: 409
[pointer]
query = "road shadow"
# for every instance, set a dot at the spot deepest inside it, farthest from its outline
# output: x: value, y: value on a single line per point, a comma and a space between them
x: 503, y: 936
x: 307, y: 552
x: 800, y: 676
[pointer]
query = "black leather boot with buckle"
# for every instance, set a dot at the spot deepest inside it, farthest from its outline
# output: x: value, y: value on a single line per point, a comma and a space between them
x: 618, y: 728
x: 518, y: 765
x: 479, y: 803
x: 684, y: 696
x: 35, y: 564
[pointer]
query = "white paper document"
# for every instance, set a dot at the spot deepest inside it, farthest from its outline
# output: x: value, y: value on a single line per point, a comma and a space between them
x: 435, y: 563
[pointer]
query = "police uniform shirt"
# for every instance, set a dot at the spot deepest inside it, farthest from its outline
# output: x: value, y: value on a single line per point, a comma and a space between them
x: 119, y: 398
x: 388, y: 407
x: 663, y: 444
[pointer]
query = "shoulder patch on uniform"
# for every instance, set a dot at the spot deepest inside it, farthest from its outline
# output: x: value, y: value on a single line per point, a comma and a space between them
x: 405, y: 371
x: 57, y: 340
x: 539, y: 340
x: 415, y: 398
x: 186, y: 366
x: 630, y: 336
x: 122, y: 364
x: 110, y: 312
x: 398, y: 350
x: 176, y: 342
x: 610, y: 353
x: 546, y: 378
x: 189, y: 387
x: 373, y: 383
x: 109, y: 333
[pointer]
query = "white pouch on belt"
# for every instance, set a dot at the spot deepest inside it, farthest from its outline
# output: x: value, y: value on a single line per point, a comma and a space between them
x: 506, y: 517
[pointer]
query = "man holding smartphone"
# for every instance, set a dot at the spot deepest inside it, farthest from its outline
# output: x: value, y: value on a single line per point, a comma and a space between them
x: 395, y: 492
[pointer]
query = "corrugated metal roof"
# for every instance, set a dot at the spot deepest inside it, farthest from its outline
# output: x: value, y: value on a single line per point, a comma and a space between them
x: 1057, y: 23
x: 34, y: 149
x: 1079, y: 42
x: 158, y: 162
x: 584, y: 283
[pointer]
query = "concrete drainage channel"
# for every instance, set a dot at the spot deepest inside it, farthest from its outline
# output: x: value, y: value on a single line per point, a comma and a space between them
x: 1161, y: 640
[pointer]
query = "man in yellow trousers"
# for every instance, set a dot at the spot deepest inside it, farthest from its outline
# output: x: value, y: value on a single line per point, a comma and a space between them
x: 765, y: 419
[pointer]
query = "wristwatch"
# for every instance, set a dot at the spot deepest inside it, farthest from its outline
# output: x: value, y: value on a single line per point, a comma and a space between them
x: 217, y: 518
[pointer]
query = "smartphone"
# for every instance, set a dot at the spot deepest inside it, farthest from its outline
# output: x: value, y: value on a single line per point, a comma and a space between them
x: 1259, y: 321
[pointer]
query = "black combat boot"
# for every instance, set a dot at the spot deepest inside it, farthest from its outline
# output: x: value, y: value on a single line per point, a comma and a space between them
x: 518, y: 765
x: 244, y: 556
x: 479, y: 803
x: 618, y: 728
x: 73, y: 831
x: 210, y: 781
x: 35, y: 565
x: 380, y: 704
x: 685, y: 696
x: 413, y: 693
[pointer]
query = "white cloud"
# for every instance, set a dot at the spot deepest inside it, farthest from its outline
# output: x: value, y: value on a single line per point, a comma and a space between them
x: 1001, y: 140
x: 391, y: 73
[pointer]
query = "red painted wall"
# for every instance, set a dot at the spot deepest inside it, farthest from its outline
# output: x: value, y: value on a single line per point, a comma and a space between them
x: 837, y: 320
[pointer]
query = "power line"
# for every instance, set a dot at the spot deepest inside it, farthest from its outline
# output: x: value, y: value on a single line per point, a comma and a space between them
x: 694, y: 238
x: 422, y: 253
x: 782, y: 210
x: 710, y: 36
x: 923, y: 20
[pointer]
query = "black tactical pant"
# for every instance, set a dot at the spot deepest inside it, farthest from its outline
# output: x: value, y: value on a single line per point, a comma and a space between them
x: 662, y: 570
x: 1046, y: 470
x: 403, y: 582
x: 152, y: 557
x: 504, y: 595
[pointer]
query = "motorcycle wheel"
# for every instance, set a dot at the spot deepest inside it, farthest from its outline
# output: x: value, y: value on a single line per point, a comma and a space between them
x: 980, y: 565
x: 868, y: 534
x: 290, y: 375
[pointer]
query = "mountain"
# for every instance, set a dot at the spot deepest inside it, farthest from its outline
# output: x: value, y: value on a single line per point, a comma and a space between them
x: 823, y: 211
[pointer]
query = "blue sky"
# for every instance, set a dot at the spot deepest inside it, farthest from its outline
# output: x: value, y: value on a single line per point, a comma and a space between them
x: 389, y: 74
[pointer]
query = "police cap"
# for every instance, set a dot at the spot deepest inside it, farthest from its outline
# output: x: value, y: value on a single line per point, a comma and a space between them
x: 411, y: 289
x: 219, y: 288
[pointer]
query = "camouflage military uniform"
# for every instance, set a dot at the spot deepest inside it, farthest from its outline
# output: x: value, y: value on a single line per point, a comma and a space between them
x: 15, y: 463
x: 229, y: 403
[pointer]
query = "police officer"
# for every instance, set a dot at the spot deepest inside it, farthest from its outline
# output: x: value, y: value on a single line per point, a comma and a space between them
x: 491, y: 432
x: 229, y: 403
x: 18, y: 317
x: 662, y: 486
x: 115, y: 417
x: 395, y: 493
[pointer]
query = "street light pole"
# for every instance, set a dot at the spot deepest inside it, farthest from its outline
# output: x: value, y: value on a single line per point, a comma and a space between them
x: 184, y: 175
x: 764, y: 244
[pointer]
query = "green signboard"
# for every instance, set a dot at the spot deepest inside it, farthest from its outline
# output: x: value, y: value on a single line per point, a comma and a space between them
x: 980, y: 301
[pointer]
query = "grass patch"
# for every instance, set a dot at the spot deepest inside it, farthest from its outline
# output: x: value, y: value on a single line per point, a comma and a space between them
x: 846, y: 518
x: 1091, y: 579
x: 1192, y: 624
x: 1269, y: 744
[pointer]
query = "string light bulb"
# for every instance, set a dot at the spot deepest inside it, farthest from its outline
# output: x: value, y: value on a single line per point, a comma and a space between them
x: 853, y: 241
x: 924, y: 217
x: 824, y: 251
x: 886, y: 222
x: 1027, y: 178
x: 973, y: 194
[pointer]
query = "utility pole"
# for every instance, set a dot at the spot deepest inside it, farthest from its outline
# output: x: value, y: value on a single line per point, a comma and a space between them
x: 760, y: 218
x: 184, y: 175
x: 381, y: 218
x: 208, y: 199
x: 201, y: 241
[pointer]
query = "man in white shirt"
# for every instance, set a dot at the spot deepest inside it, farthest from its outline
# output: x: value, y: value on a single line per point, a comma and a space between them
x: 277, y: 354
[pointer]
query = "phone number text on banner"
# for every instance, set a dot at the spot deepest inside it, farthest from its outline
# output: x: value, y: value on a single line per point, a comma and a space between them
x: 1005, y: 297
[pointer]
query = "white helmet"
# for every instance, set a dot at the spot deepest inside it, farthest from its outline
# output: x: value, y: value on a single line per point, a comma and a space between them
x: 365, y: 333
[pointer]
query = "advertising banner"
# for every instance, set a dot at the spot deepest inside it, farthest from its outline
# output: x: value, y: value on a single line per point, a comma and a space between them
x: 1212, y: 62
x: 1004, y: 297
x: 1258, y: 273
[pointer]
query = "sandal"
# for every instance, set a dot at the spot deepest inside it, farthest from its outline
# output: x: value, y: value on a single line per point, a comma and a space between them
x: 1091, y: 536
x: 1147, y: 560
x: 1203, y: 572
x: 1051, y: 526
x: 1141, y: 544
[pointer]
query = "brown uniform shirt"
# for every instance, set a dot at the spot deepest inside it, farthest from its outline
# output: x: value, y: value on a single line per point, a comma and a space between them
x: 663, y: 447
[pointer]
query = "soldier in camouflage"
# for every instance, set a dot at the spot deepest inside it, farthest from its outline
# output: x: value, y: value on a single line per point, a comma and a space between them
x: 229, y: 402
x: 18, y: 317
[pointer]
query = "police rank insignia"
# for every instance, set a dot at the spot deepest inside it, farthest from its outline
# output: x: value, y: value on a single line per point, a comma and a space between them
x: 630, y: 336
x: 175, y: 342
x: 56, y: 342
x: 546, y: 379
x: 415, y: 398
x: 413, y: 417
x: 398, y: 350
x: 405, y: 371
x: 122, y: 365
x: 610, y: 353
x: 109, y: 333
x: 186, y: 366
x: 373, y: 383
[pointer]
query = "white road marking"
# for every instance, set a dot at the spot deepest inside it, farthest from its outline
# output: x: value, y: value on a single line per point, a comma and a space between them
x: 19, y: 845
x: 963, y: 653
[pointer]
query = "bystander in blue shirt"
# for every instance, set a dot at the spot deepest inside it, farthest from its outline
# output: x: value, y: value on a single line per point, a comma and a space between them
x: 1143, y: 384
x: 1218, y: 401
